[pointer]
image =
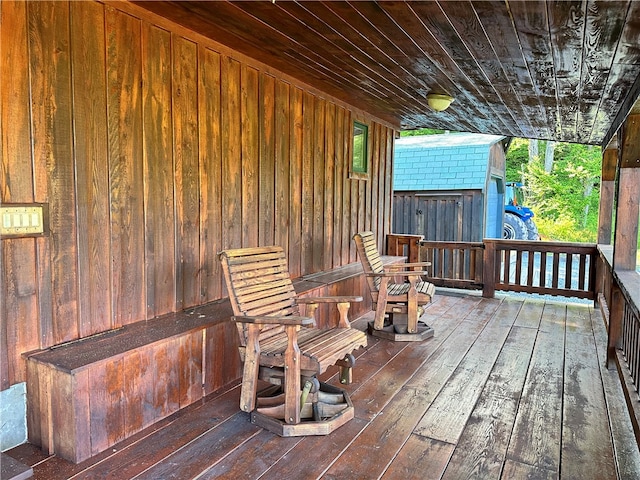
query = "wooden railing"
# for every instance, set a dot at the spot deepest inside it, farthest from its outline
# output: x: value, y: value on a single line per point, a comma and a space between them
x: 619, y: 300
x: 548, y: 268
x: 454, y: 264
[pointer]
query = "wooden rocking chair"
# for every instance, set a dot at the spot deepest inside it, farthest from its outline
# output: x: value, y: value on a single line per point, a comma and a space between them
x: 281, y: 347
x: 404, y: 302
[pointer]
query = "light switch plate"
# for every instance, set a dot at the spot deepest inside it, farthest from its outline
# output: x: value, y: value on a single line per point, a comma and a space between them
x: 23, y: 220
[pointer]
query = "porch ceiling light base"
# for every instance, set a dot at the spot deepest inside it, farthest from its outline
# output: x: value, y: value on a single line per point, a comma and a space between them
x: 439, y: 102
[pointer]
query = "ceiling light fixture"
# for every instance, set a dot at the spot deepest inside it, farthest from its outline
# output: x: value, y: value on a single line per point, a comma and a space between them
x: 439, y: 102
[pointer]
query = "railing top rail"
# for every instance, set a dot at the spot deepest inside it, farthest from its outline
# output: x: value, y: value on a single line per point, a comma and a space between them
x: 442, y: 244
x: 550, y: 247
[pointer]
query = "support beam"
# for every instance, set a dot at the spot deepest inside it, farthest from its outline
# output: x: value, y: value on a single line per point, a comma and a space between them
x: 628, y: 205
x: 607, y: 192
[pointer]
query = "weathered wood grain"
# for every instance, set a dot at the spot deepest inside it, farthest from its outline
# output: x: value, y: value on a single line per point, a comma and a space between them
x: 587, y: 450
x: 420, y: 455
x: 124, y: 123
x: 318, y: 175
x: 296, y: 130
x: 160, y: 218
x: 51, y: 110
x: 282, y: 160
x: 448, y: 414
x: 92, y: 173
x: 329, y: 187
x: 210, y: 153
x: 267, y: 159
x: 184, y: 108
x: 483, y: 444
x: 250, y: 145
x: 186, y: 442
x: 307, y: 174
x: 537, y: 431
x: 231, y: 154
x: 19, y: 286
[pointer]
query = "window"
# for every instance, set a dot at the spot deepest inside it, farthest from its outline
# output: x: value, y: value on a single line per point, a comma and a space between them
x: 359, y: 156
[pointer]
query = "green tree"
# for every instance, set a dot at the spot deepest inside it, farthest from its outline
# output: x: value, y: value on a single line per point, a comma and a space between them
x: 565, y: 200
x: 421, y: 131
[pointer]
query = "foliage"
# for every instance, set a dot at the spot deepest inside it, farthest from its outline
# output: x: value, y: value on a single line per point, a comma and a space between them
x: 565, y: 200
x: 517, y: 159
x: 421, y: 131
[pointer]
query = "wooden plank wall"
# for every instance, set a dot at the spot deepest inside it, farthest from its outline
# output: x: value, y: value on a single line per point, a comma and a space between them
x: 155, y: 149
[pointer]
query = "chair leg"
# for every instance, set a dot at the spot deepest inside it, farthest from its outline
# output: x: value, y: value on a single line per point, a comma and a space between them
x: 345, y: 365
x: 412, y: 310
x: 251, y: 370
x: 292, y: 377
x: 381, y: 304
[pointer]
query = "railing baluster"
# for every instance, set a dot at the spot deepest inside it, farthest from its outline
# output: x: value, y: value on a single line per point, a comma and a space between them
x: 582, y: 271
x: 506, y: 260
x: 556, y: 267
x: 518, y: 277
x: 543, y: 269
x: 530, y: 268
x: 568, y: 271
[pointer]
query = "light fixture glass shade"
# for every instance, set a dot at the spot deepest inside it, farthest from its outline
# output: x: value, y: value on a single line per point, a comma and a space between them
x: 439, y: 102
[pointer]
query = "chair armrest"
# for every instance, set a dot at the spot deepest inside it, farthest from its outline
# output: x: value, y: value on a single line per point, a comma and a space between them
x: 334, y: 299
x: 411, y: 265
x: 398, y: 273
x: 288, y: 320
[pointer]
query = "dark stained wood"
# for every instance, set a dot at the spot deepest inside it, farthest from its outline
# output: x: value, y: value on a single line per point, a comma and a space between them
x: 531, y: 69
x: 307, y: 174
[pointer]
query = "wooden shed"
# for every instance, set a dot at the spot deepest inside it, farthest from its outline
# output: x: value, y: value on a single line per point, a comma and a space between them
x: 449, y: 187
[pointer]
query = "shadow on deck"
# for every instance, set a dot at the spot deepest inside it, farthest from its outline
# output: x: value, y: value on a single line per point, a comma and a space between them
x: 507, y: 388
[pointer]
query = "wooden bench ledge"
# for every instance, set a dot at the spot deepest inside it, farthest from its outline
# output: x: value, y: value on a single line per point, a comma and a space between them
x: 80, y: 354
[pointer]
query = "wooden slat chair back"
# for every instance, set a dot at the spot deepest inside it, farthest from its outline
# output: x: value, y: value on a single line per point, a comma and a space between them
x: 260, y: 285
x: 278, y: 344
x: 403, y: 302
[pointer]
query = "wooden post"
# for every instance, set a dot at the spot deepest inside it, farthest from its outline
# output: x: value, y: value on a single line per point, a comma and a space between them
x: 489, y: 269
x: 625, y: 243
x: 628, y: 205
x: 616, y: 312
x: 607, y: 192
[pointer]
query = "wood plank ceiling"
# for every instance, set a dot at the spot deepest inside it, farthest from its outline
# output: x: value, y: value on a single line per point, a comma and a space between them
x: 564, y: 70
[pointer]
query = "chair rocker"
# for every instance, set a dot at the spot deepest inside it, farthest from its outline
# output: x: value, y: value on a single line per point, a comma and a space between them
x: 402, y: 303
x: 283, y: 348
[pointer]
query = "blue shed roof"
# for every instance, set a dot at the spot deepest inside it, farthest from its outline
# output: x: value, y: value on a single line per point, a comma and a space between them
x: 442, y: 162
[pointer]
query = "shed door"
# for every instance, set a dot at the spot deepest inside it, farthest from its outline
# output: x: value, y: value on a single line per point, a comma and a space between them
x: 495, y: 209
x: 439, y: 217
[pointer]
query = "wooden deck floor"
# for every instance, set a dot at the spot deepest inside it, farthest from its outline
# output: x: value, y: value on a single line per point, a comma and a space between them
x: 507, y: 389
